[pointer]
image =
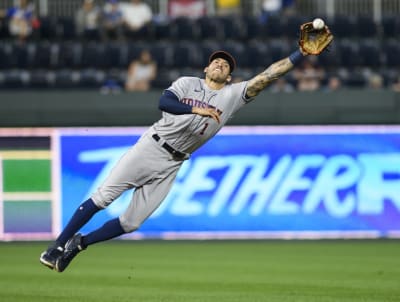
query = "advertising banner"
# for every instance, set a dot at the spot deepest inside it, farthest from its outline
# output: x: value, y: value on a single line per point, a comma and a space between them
x: 254, y: 182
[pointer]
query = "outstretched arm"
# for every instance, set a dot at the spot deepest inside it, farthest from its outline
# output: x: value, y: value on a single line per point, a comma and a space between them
x: 273, y: 72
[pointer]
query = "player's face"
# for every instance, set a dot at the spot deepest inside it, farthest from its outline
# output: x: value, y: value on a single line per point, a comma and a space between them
x: 218, y: 70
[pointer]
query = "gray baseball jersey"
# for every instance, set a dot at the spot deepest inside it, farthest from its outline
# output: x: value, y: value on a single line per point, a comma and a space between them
x: 149, y: 167
x: 188, y: 132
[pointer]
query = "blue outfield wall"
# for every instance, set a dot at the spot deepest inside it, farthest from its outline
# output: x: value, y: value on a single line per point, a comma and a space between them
x: 254, y: 182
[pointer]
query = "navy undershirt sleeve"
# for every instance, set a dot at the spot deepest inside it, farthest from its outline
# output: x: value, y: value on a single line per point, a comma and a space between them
x: 170, y: 103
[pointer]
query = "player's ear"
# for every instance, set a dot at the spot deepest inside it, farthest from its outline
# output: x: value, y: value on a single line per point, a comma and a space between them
x: 229, y: 79
x: 205, y: 69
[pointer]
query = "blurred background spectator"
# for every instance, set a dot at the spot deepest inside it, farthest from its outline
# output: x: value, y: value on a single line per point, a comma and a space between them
x: 180, y: 33
x: 396, y: 85
x: 113, y: 21
x: 137, y: 14
x: 88, y: 21
x: 308, y: 75
x: 375, y: 81
x: 274, y: 7
x: 334, y: 83
x: 22, y: 20
x: 141, y: 73
x: 186, y: 8
x: 281, y: 85
x: 228, y: 7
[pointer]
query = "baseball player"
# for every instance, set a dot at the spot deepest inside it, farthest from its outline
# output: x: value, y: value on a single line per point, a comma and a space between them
x: 194, y: 110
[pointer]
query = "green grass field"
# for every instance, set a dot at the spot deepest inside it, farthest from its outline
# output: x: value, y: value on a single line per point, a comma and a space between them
x: 217, y: 271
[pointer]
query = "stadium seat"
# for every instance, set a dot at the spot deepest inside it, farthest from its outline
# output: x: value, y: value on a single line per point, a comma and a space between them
x: 21, y: 55
x: 161, y: 30
x: 91, y: 78
x: 253, y: 27
x: 5, y: 55
x: 211, y: 28
x: 332, y: 57
x: 343, y: 26
x: 237, y: 49
x: 70, y: 55
x: 45, y: 55
x: 15, y: 79
x: 390, y: 25
x: 4, y: 32
x: 162, y: 53
x: 185, y: 54
x: 48, y: 28
x: 66, y: 78
x: 66, y: 29
x: 349, y: 53
x: 292, y: 25
x: 392, y: 50
x: 184, y: 29
x: 370, y: 53
x: 234, y: 28
x: 93, y: 55
x: 258, y: 54
x: 366, y: 26
x: 274, y: 28
x: 206, y: 48
x: 278, y: 49
x: 115, y: 55
x: 41, y: 78
x: 356, y: 80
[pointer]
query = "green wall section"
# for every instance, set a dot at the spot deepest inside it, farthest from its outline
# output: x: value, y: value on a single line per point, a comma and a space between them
x: 21, y: 175
x: 90, y: 108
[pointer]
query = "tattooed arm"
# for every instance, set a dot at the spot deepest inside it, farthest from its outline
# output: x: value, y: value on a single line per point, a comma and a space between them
x: 273, y: 72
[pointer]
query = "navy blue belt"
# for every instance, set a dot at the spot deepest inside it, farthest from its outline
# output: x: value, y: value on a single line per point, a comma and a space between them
x: 169, y: 148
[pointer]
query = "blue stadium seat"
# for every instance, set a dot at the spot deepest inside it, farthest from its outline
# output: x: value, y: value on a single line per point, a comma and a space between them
x: 41, y: 79
x: 66, y: 78
x: 185, y: 54
x: 366, y: 26
x: 258, y: 54
x: 5, y: 55
x: 91, y: 78
x: 184, y: 29
x: 45, y: 55
x: 211, y: 28
x: 162, y: 53
x: 292, y: 25
x: 370, y: 52
x: 70, y: 55
x: 331, y: 58
x: 66, y: 29
x: 161, y: 30
x: 93, y: 55
x: 392, y: 50
x: 390, y: 25
x: 278, y: 49
x: 349, y: 53
x: 343, y: 26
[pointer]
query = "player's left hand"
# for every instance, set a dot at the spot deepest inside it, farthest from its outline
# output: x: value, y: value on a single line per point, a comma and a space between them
x: 210, y: 112
x: 313, y: 41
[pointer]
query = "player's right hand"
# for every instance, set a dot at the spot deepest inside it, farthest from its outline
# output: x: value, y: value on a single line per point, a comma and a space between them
x: 210, y: 112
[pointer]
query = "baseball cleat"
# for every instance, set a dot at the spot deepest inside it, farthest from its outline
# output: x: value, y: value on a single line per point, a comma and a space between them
x: 50, y: 256
x: 72, y: 248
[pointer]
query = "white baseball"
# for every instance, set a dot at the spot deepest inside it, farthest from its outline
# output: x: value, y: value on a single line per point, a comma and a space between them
x: 318, y: 23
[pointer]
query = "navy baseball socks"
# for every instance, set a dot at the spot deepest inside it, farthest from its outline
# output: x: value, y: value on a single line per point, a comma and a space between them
x: 78, y: 243
x: 68, y: 244
x: 81, y: 216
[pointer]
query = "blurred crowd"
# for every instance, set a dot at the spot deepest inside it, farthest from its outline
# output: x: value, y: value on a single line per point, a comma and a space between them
x: 131, y: 21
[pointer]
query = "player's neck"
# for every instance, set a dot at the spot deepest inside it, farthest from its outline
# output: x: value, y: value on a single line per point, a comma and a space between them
x: 213, y: 84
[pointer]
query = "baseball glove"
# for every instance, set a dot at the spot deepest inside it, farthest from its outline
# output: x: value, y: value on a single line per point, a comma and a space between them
x: 313, y: 41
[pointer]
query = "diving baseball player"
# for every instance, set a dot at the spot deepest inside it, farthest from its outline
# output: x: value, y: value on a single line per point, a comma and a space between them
x: 194, y: 110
